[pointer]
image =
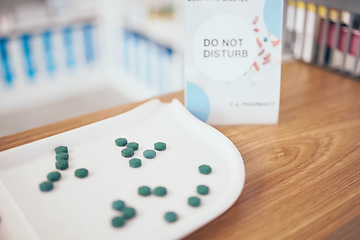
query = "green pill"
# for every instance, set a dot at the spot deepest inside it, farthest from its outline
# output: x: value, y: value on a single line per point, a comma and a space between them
x: 135, y: 162
x: 46, y: 186
x: 118, y: 222
x: 144, y: 191
x: 118, y: 205
x: 127, y: 152
x: 54, y: 176
x: 128, y: 212
x: 194, y: 201
x: 133, y: 145
x: 149, y: 154
x: 160, y: 191
x: 62, y: 156
x: 160, y: 146
x: 205, y: 169
x: 202, y: 189
x: 171, y: 217
x: 61, y: 149
x: 121, y: 142
x: 62, y: 164
x: 81, y: 172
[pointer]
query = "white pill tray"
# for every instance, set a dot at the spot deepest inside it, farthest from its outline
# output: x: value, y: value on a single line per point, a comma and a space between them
x: 82, y: 208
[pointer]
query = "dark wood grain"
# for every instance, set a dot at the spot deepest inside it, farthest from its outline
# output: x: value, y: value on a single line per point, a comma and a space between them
x: 302, y: 175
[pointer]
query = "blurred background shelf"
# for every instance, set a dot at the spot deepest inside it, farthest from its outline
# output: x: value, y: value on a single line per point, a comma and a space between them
x: 324, y: 33
x: 63, y: 58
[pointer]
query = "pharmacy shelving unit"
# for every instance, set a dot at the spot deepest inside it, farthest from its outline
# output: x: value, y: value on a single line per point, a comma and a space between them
x: 52, y: 50
x: 324, y: 33
x: 150, y: 53
x: 48, y: 57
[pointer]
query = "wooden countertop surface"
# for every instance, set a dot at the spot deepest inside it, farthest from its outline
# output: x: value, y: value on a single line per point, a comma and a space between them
x: 302, y: 175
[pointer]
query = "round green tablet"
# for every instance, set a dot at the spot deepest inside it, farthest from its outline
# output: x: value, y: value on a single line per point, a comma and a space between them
x: 62, y: 156
x: 133, y: 145
x: 62, y: 164
x: 149, y: 154
x: 135, y: 162
x: 171, y: 217
x: 127, y: 152
x: 118, y: 222
x: 128, y: 212
x: 194, y: 201
x: 144, y: 191
x: 61, y: 149
x: 160, y: 191
x: 54, y: 176
x: 202, y: 189
x: 118, y: 205
x: 160, y: 146
x: 121, y: 142
x: 46, y: 186
x: 81, y: 172
x: 205, y: 169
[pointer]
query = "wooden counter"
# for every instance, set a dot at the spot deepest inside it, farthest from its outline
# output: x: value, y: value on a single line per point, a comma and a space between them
x: 302, y: 175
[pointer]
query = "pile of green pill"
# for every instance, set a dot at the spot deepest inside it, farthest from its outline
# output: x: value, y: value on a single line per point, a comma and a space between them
x: 129, y: 151
x: 62, y: 157
x: 200, y: 189
x: 127, y: 213
x: 146, y: 191
x: 62, y: 163
x: 158, y: 191
x: 130, y: 147
x: 48, y: 185
x: 126, y: 152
